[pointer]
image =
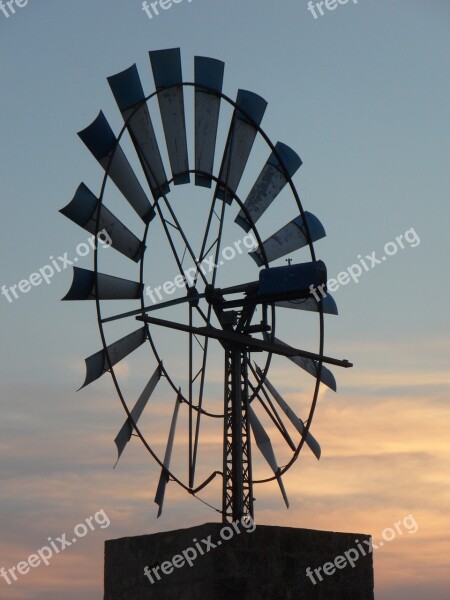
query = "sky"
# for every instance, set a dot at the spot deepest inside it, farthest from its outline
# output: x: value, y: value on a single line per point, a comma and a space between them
x: 361, y: 93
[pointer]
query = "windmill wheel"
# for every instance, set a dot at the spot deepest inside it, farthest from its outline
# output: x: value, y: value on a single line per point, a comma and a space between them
x: 194, y: 273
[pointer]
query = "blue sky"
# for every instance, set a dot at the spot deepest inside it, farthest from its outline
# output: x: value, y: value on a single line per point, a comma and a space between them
x: 361, y: 94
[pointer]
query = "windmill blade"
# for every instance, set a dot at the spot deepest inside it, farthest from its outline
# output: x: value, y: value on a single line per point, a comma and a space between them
x: 83, y: 210
x: 128, y: 92
x: 309, y: 365
x: 99, y: 138
x: 289, y: 238
x: 208, y: 74
x: 240, y: 141
x: 262, y: 440
x: 272, y: 413
x: 97, y: 364
x: 269, y: 184
x: 298, y: 423
x: 108, y: 287
x: 124, y: 435
x: 265, y: 446
x: 310, y: 304
x: 166, y: 67
x: 164, y: 477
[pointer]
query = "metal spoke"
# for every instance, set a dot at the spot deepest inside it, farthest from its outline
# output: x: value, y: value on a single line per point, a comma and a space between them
x: 213, y: 281
x: 202, y: 258
x: 159, y: 306
x: 200, y: 370
x: 199, y: 342
x: 185, y: 240
x: 169, y: 239
x: 191, y: 482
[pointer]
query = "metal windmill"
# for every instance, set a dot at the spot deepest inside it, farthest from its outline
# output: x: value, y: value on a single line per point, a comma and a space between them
x: 237, y: 319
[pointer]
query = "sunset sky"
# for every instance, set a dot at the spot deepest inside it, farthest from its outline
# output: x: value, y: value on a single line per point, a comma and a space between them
x: 362, y: 94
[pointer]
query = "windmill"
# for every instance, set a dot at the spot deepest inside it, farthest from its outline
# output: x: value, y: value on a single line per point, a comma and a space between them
x: 237, y: 319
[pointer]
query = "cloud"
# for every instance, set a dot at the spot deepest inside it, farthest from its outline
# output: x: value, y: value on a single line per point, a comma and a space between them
x: 384, y: 456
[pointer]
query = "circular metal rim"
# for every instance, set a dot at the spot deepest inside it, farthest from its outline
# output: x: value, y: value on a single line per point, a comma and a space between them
x: 266, y: 138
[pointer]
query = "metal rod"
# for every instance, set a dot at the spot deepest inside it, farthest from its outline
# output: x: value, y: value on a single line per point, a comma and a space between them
x: 132, y: 313
x: 246, y: 341
x: 191, y: 465
x: 208, y: 321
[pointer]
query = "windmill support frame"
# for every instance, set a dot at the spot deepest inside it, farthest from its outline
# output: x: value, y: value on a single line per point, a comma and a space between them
x: 237, y: 501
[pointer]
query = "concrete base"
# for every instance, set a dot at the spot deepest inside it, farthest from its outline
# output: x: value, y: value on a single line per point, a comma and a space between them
x: 267, y: 564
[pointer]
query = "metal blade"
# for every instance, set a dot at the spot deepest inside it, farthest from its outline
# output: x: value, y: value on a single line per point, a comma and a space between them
x: 128, y: 92
x: 83, y: 210
x: 124, y: 435
x: 208, y: 73
x: 240, y: 141
x: 164, y: 477
x: 166, y: 67
x: 265, y: 446
x: 298, y: 423
x: 101, y: 141
x: 269, y: 184
x: 97, y: 364
x: 289, y: 238
x: 108, y: 287
x: 309, y: 365
x: 311, y: 304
